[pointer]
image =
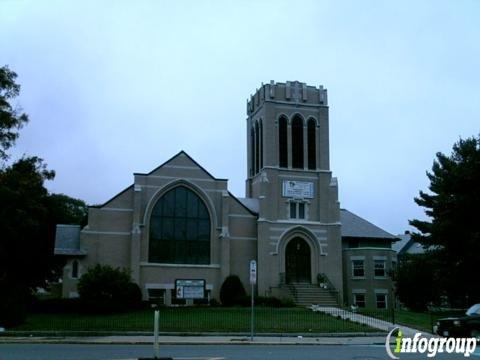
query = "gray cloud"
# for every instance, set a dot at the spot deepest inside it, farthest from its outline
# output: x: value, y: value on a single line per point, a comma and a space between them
x: 114, y: 88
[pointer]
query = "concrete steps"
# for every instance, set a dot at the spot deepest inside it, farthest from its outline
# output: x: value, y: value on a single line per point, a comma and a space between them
x: 306, y: 294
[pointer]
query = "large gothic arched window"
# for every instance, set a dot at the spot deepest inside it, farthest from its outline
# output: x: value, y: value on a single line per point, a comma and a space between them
x: 282, y: 142
x: 297, y: 142
x: 312, y: 151
x: 180, y: 229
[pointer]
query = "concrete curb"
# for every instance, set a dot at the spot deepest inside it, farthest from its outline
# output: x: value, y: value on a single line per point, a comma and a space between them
x: 74, y: 334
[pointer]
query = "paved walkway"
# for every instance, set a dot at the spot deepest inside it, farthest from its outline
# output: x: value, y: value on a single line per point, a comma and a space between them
x: 366, y: 320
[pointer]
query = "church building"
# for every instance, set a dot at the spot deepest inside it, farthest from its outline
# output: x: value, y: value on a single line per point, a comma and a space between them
x: 180, y: 222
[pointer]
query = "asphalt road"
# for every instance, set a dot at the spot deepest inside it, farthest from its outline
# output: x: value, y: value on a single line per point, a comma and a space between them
x: 202, y: 352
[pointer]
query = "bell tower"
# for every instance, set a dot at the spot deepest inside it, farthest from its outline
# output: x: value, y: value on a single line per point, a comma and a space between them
x: 287, y: 141
x: 288, y: 173
x: 287, y: 128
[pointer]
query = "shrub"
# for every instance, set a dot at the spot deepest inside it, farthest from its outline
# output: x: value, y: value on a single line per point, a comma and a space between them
x: 268, y: 301
x: 105, y: 289
x: 271, y: 301
x: 232, y: 291
x: 214, y: 303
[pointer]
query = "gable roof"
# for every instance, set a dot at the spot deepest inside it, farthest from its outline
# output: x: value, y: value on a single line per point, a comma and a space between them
x: 407, y: 245
x: 67, y: 240
x: 252, y: 204
x: 181, y: 152
x: 355, y: 226
x: 402, y: 243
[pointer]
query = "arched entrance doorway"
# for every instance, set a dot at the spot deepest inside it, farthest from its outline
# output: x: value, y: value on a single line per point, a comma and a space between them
x: 297, y: 261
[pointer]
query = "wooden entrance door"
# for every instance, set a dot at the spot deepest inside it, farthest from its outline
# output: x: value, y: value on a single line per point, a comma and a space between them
x: 297, y: 261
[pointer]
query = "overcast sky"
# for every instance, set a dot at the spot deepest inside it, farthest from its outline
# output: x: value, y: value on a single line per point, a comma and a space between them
x: 114, y: 88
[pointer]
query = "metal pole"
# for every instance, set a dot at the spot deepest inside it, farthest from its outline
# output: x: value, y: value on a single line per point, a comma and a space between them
x: 155, y: 334
x: 393, y: 314
x: 251, y: 318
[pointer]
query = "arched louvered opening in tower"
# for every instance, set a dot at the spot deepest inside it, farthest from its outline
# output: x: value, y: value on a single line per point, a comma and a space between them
x: 312, y: 151
x: 252, y: 152
x: 282, y: 142
x: 261, y: 143
x: 297, y: 142
x: 257, y: 147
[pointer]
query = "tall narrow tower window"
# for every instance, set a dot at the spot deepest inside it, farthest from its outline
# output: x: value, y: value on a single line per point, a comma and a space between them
x: 261, y: 144
x: 257, y: 147
x: 252, y: 152
x: 312, y: 159
x: 282, y: 142
x: 297, y: 143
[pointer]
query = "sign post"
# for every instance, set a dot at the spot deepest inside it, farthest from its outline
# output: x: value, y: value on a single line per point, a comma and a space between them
x: 253, y: 281
x: 156, y: 350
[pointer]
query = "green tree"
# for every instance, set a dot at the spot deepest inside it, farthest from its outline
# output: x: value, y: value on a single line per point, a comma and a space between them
x: 28, y: 218
x: 26, y: 244
x: 416, y: 280
x: 453, y: 229
x: 11, y: 116
x: 68, y: 210
x: 28, y: 213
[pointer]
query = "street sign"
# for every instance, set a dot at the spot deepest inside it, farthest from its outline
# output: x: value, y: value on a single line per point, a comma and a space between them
x: 189, y: 289
x: 253, y: 272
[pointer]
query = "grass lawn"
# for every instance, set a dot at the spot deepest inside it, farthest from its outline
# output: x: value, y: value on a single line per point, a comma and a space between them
x: 197, y: 319
x: 418, y: 320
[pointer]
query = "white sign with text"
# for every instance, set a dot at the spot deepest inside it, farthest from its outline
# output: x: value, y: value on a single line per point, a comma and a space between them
x: 298, y: 189
x: 253, y: 272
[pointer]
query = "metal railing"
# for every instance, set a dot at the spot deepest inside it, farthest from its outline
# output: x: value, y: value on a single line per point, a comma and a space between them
x: 235, y: 320
x: 191, y: 320
x: 331, y: 288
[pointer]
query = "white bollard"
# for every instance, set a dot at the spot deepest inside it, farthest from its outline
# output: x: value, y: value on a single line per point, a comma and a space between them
x: 156, y: 349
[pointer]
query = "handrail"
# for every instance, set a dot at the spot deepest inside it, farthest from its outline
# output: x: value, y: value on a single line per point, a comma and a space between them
x: 330, y: 287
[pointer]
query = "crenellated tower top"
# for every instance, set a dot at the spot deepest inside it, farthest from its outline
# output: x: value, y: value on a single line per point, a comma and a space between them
x: 291, y: 92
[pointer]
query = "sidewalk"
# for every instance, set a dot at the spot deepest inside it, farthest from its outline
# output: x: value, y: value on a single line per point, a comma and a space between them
x: 199, y: 340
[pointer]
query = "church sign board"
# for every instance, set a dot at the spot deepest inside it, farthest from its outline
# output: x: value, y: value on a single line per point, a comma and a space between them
x: 189, y: 289
x: 298, y: 189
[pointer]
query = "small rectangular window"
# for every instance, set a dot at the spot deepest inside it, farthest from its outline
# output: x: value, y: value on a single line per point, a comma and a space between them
x: 359, y: 300
x: 380, y: 268
x: 381, y: 301
x: 358, y: 268
x: 293, y: 210
x: 156, y: 296
x: 301, y: 211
